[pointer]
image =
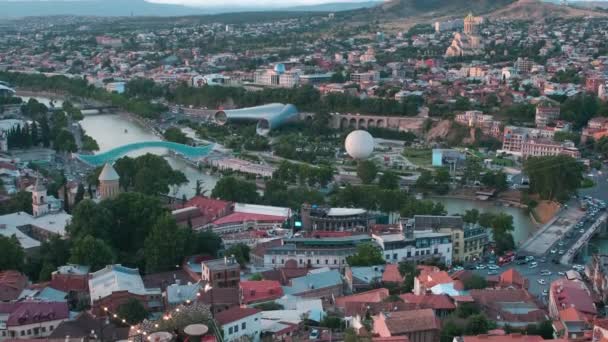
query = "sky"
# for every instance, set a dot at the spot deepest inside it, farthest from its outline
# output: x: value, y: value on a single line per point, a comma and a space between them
x: 240, y: 3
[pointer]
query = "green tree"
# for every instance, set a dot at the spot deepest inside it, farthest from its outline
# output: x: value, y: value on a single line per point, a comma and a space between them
x: 21, y: 201
x: 206, y: 243
x: 256, y: 277
x: 472, y: 170
x: 174, y: 134
x: 388, y: 180
x: 235, y: 190
x: 367, y: 171
x: 133, y: 311
x: 424, y: 181
x: 13, y: 255
x: 554, y: 177
x: 166, y: 245
x: 92, y: 252
x: 477, y: 324
x: 475, y: 282
x: 148, y: 174
x: 79, y: 194
x: 471, y: 216
x: 240, y: 251
x: 367, y: 255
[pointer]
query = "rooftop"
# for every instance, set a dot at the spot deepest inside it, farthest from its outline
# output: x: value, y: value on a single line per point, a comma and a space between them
x: 313, y: 281
x: 115, y: 278
x: 235, y: 314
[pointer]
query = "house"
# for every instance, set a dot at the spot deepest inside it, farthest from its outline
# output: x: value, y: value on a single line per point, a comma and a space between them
x: 433, y: 280
x: 500, y: 338
x: 371, y: 296
x: 178, y: 293
x: 363, y: 278
x: 71, y: 278
x: 114, y: 285
x: 259, y: 291
x: 220, y: 298
x: 28, y: 320
x: 392, y: 275
x: 418, y: 325
x: 508, y: 279
x: 323, y: 285
x: 572, y: 324
x: 12, y: 283
x: 82, y: 326
x: 224, y: 272
x: 565, y: 293
x: 442, y: 304
x: 201, y: 210
x: 500, y: 303
x: 286, y: 273
x: 238, y: 322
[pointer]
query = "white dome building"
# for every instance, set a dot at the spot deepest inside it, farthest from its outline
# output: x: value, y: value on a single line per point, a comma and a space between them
x: 359, y: 144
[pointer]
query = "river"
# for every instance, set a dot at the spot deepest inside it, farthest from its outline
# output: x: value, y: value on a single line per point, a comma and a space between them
x: 524, y: 228
x: 111, y: 130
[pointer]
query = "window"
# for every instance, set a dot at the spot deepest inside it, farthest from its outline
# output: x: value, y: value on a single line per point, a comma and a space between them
x: 386, y: 257
x: 229, y: 330
x: 22, y: 333
x: 29, y: 332
x: 236, y: 328
x: 36, y: 331
x: 51, y: 328
x: 394, y: 256
x: 243, y: 325
x: 43, y: 329
x: 409, y: 254
x: 300, y: 261
x: 282, y: 261
x: 326, y: 262
x: 318, y: 262
x: 273, y: 261
x: 435, y: 251
x: 335, y: 261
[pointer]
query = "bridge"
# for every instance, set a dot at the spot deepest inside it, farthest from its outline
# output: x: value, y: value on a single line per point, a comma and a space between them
x: 582, y: 243
x: 115, y: 153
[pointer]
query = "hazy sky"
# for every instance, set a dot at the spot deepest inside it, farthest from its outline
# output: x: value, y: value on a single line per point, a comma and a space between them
x: 223, y: 3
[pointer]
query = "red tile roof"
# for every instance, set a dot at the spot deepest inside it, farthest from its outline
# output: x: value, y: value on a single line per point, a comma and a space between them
x: 403, y: 322
x: 430, y: 301
x: 11, y: 285
x: 512, y: 277
x: 372, y: 296
x: 391, y: 274
x: 572, y: 293
x: 496, y: 302
x: 391, y: 339
x: 23, y: 313
x: 571, y: 315
x: 258, y: 291
x: 70, y: 282
x: 234, y: 314
x: 503, y: 338
x: 240, y: 217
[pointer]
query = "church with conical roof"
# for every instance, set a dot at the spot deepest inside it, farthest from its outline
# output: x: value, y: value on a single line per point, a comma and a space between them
x: 109, y: 183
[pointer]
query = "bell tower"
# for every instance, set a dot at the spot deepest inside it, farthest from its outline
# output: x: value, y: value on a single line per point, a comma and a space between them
x: 39, y: 199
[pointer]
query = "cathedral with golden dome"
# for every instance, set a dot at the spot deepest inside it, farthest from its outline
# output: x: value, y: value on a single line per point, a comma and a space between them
x: 469, y: 42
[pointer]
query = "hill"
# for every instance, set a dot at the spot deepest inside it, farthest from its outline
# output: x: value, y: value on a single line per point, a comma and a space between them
x: 536, y: 9
x: 429, y: 9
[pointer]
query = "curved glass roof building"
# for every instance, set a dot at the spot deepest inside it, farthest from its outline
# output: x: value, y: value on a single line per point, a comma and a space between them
x: 267, y: 116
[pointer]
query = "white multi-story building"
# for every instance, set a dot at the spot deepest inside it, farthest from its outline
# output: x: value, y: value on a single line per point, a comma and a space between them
x: 237, y: 323
x: 416, y: 245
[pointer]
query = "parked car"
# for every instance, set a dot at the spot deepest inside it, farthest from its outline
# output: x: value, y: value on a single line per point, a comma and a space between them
x: 545, y: 273
x: 541, y: 281
x: 314, y: 334
x: 493, y: 267
x: 480, y: 267
x: 492, y: 272
x: 553, y: 251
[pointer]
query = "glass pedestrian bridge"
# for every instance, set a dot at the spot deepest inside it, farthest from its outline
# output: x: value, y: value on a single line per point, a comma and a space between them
x: 115, y: 153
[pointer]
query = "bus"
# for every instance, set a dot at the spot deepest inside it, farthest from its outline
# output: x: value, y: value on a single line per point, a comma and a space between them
x: 507, y: 258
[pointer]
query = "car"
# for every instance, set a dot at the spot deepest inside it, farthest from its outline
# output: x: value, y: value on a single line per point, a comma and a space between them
x: 581, y: 231
x: 533, y: 265
x: 545, y: 273
x: 542, y: 260
x: 553, y: 251
x: 314, y: 334
x: 521, y: 262
x: 541, y: 281
x: 492, y: 272
x: 457, y: 268
x: 480, y: 267
x: 545, y: 292
x: 561, y: 252
x: 561, y: 243
x: 493, y: 267
x: 530, y: 258
x: 469, y: 267
x: 561, y: 273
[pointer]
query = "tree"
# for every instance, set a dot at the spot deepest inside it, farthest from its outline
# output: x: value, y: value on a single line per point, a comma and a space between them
x: 166, y: 245
x: 13, y: 255
x: 21, y: 201
x: 475, y: 282
x: 472, y: 170
x: 79, y: 194
x: 367, y: 171
x: 174, y: 134
x: 148, y: 174
x: 554, y: 177
x: 64, y: 142
x: 256, y: 277
x: 388, y: 180
x: 366, y: 255
x: 133, y: 311
x: 424, y: 181
x: 235, y: 190
x: 240, y: 251
x: 471, y: 216
x: 92, y: 252
x: 477, y: 324
x: 207, y: 243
